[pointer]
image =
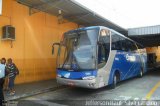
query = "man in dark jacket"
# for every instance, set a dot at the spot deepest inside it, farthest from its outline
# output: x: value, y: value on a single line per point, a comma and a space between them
x: 13, y: 71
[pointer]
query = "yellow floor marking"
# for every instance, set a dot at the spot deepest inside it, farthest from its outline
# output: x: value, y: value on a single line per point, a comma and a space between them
x: 148, y: 96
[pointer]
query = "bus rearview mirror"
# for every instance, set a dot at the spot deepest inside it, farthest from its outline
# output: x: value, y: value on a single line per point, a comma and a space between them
x: 52, y: 50
x: 53, y: 47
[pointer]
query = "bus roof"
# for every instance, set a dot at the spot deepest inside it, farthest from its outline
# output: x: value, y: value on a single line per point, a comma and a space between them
x: 102, y: 27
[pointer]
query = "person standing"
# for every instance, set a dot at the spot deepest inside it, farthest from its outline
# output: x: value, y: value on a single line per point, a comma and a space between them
x: 13, y: 71
x: 5, y: 85
x: 2, y: 75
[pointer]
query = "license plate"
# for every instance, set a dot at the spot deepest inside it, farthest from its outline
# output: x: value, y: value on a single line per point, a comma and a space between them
x: 71, y: 83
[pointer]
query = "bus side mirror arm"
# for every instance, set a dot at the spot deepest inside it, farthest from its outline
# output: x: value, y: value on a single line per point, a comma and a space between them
x: 53, y: 47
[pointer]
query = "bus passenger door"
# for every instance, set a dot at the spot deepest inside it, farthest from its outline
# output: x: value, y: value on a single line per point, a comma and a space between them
x: 103, y: 55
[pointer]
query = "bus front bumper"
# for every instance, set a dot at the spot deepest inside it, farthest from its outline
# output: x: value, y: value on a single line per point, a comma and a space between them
x: 78, y: 83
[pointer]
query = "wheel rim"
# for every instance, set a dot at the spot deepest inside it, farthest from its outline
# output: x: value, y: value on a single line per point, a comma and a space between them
x: 115, y: 80
x: 141, y: 73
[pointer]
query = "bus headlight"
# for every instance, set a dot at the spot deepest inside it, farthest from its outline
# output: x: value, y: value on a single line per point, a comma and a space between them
x: 88, y: 78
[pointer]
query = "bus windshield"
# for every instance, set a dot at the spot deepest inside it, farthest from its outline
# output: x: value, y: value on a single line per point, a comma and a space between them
x: 78, y: 50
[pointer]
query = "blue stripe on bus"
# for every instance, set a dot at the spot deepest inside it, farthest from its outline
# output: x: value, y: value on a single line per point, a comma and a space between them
x: 76, y: 74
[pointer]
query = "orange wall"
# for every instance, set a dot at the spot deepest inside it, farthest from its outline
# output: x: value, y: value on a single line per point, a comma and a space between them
x: 154, y: 50
x: 34, y: 37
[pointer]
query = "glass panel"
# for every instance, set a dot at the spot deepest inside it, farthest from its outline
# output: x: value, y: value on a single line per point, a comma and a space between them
x: 79, y: 50
x: 116, y: 42
x: 122, y: 43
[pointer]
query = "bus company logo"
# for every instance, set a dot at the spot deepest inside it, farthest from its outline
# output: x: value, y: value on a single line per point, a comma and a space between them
x: 117, y: 59
x: 88, y: 73
x: 130, y: 58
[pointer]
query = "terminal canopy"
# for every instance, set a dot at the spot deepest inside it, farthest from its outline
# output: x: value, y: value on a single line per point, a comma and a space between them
x: 147, y: 36
x: 75, y: 12
x: 72, y: 11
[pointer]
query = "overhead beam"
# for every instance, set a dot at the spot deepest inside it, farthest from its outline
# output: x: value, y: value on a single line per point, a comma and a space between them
x: 144, y: 31
x: 37, y: 8
x: 40, y: 7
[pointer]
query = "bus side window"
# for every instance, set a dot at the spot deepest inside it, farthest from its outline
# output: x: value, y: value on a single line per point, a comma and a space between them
x: 123, y: 44
x: 134, y: 46
x: 131, y: 46
x: 116, y: 42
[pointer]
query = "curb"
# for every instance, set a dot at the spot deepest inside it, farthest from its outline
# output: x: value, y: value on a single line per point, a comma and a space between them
x: 25, y: 95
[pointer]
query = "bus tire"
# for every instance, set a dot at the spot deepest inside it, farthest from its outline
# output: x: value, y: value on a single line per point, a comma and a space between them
x: 115, y: 80
x: 141, y: 73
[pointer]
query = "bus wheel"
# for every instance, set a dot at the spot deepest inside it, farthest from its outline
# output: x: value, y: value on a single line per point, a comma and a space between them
x: 141, y: 73
x: 114, y: 84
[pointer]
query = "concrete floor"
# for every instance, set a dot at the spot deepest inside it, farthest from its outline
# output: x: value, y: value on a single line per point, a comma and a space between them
x: 145, y: 88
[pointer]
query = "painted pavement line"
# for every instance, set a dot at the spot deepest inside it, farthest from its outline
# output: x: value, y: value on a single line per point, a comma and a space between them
x: 148, y: 96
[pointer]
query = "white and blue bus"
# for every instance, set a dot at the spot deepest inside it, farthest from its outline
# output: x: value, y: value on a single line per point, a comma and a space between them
x: 94, y: 57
